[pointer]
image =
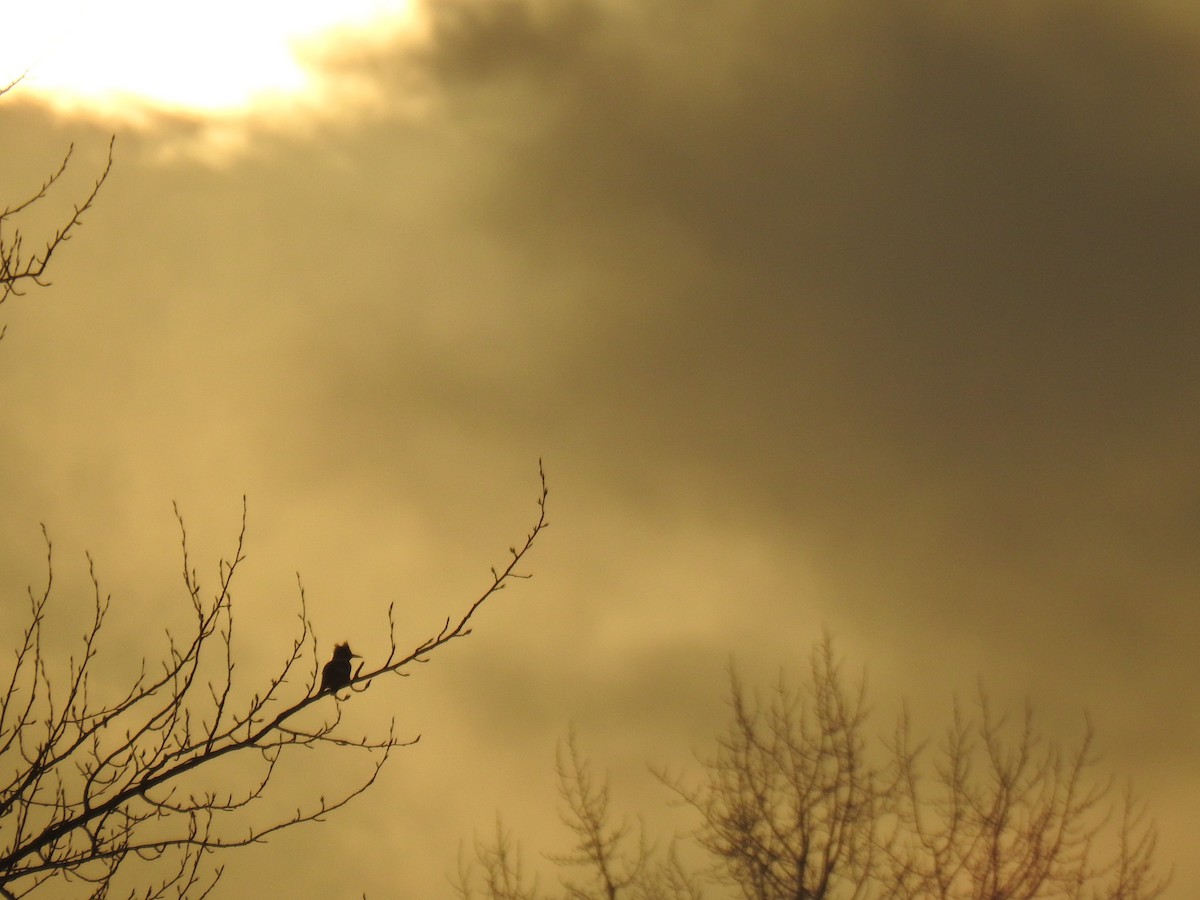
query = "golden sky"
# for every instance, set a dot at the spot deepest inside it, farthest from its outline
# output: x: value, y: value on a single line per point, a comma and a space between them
x: 880, y: 318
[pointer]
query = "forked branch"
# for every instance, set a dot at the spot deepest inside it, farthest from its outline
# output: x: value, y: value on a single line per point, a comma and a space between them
x: 91, y: 786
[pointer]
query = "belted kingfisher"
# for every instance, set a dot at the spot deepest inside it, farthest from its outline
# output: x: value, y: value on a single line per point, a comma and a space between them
x: 336, y: 673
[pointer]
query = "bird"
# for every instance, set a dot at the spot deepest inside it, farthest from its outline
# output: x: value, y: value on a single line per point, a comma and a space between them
x: 336, y: 674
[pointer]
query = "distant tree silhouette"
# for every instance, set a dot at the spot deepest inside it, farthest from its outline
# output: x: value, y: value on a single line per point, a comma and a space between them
x: 798, y: 801
x: 136, y: 784
x: 791, y: 802
x: 21, y: 266
x: 607, y: 859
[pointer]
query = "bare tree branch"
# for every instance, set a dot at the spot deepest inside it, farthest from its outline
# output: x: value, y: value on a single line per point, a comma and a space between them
x: 92, y: 786
x: 797, y: 801
x: 607, y: 860
x: 20, y: 266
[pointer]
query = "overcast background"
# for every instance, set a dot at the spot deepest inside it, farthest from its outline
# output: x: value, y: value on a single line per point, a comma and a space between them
x: 878, y: 318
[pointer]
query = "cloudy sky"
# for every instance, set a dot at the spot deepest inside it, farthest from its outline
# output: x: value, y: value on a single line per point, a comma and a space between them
x: 878, y: 318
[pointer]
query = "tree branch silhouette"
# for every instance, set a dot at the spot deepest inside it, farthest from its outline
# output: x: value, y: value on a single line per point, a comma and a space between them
x: 94, y: 785
x: 19, y: 266
x: 798, y: 800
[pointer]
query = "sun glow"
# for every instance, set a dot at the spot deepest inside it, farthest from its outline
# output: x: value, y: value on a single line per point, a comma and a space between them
x: 128, y: 58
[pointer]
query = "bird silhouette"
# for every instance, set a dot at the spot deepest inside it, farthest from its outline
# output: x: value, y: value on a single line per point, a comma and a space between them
x: 336, y: 673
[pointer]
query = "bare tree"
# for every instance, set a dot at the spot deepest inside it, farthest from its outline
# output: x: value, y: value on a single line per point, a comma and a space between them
x: 790, y: 803
x: 608, y: 859
x: 1016, y: 817
x: 503, y: 870
x: 617, y: 859
x: 94, y: 788
x: 19, y: 265
x: 799, y: 801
